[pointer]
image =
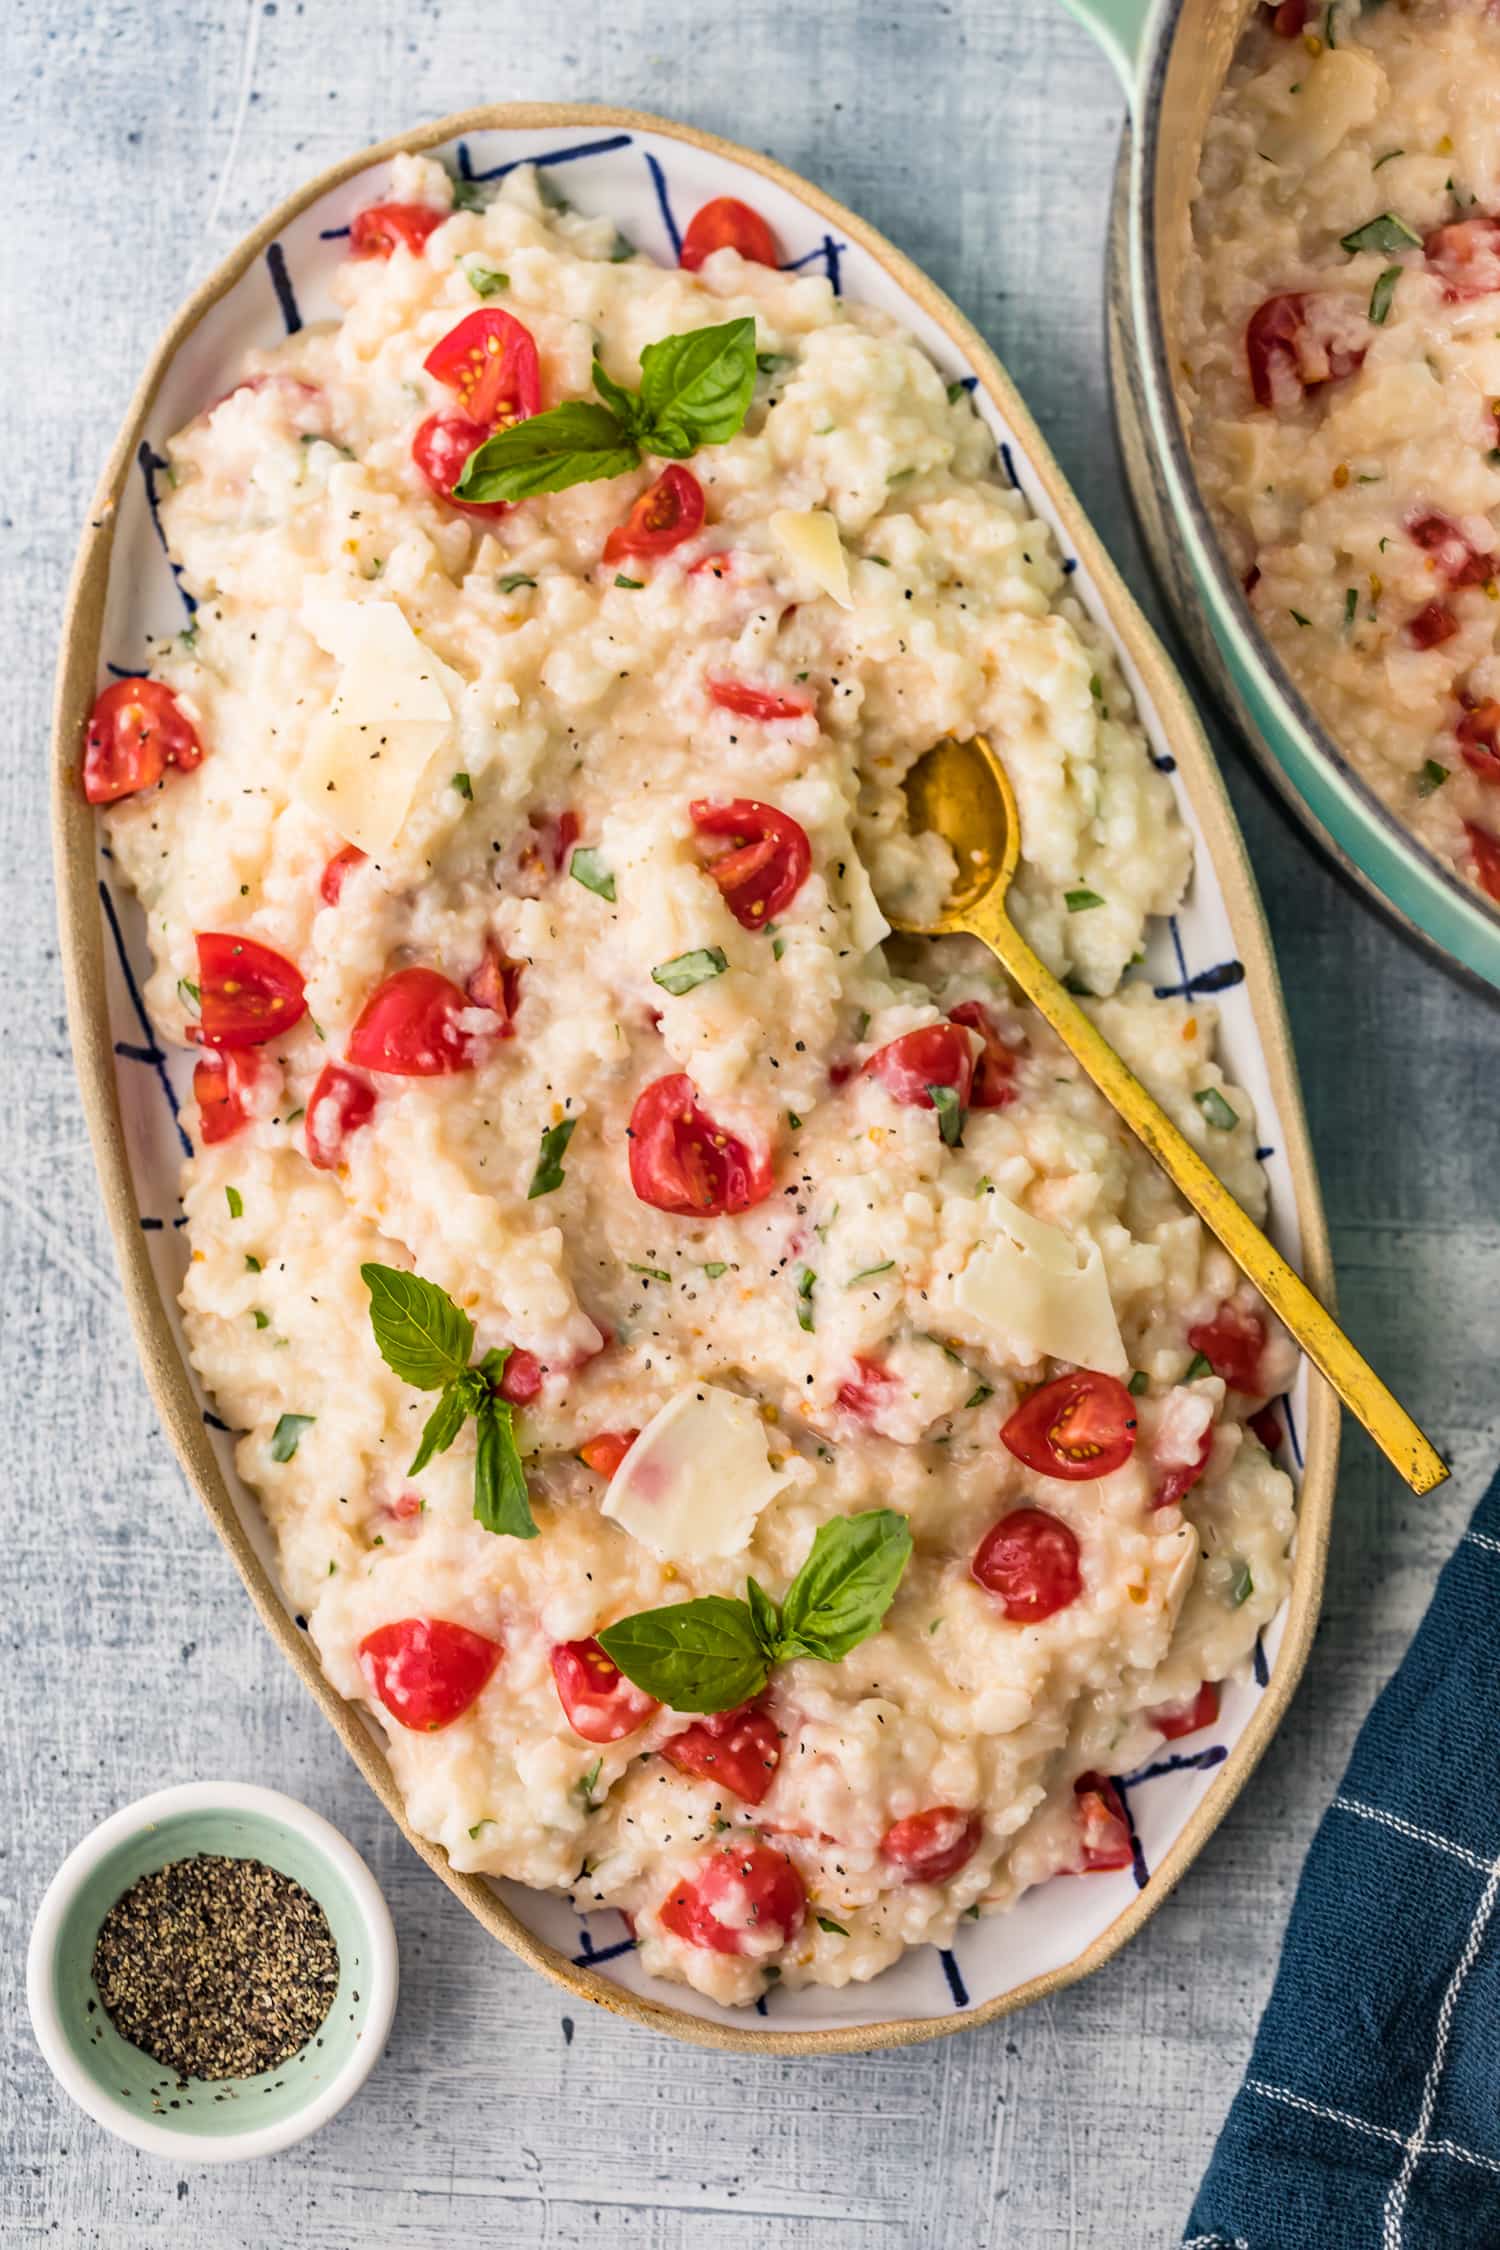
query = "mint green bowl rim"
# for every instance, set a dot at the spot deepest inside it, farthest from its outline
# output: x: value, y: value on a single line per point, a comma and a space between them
x: 77, y: 2040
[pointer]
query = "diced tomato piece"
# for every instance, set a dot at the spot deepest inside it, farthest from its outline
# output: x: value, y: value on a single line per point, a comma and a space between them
x: 221, y: 1085
x: 521, y: 1378
x: 441, y: 450
x: 490, y: 360
x: 866, y: 1391
x: 1478, y: 734
x: 671, y: 511
x: 681, y: 1161
x: 564, y: 830
x: 1289, y: 17
x: 1460, y: 562
x: 384, y: 228
x: 1103, y: 1828
x: 994, y: 1084
x: 1175, y: 1483
x: 937, y: 1054
x: 604, y: 1453
x: 1174, y: 1720
x: 496, y: 985
x: 425, y: 1671
x: 1465, y: 255
x: 1266, y: 1424
x: 1432, y: 625
x: 727, y: 224
x: 1299, y: 339
x: 247, y: 993
x: 737, y: 1750
x: 340, y: 1103
x: 136, y: 729
x: 1486, y: 851
x: 1233, y: 1343
x: 602, y: 1705
x: 1030, y: 1559
x: 1077, y: 1426
x: 768, y: 861
x: 410, y: 1027
x: 336, y: 873
x: 935, y: 1844
x: 745, y: 1899
x: 749, y: 702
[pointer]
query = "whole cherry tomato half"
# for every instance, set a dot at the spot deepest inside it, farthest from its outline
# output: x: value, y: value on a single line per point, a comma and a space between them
x: 136, y: 729
x: 426, y: 1671
x: 247, y: 993
x: 935, y: 1844
x: 748, y: 1899
x: 1297, y: 340
x: 661, y: 519
x: 410, y: 1027
x: 1103, y: 1828
x: 383, y: 228
x: 681, y: 1161
x: 602, y: 1705
x: 994, y: 1084
x: 1174, y: 1720
x: 334, y: 876
x: 768, y: 860
x: 490, y: 361
x: 737, y: 1750
x: 1233, y: 1343
x: 1486, y: 853
x: 441, y: 450
x: 1175, y: 1483
x: 222, y: 1085
x: 936, y: 1054
x: 1077, y: 1426
x: 1030, y: 1559
x: 339, y: 1104
x: 727, y: 224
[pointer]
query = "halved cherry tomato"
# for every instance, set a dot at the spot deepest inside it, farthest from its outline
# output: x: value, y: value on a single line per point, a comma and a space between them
x: 757, y: 703
x: 1030, y: 1559
x: 1433, y: 624
x: 338, y: 1105
x: 221, y: 1084
x: 1461, y: 563
x: 602, y: 1705
x: 1103, y: 1828
x: 681, y: 1161
x: 867, y: 1389
x: 1466, y: 255
x: 247, y: 993
x: 937, y: 1054
x: 604, y: 1453
x: 335, y: 874
x: 737, y: 1900
x: 1232, y: 1343
x: 382, y: 228
x: 1297, y: 340
x: 1478, y: 734
x: 671, y: 511
x: 768, y: 861
x: 1076, y: 1426
x: 935, y: 1844
x: 1174, y: 1720
x: 496, y: 985
x: 1266, y: 1424
x: 727, y: 224
x: 521, y: 1378
x: 1289, y: 17
x: 994, y: 1084
x: 738, y: 1750
x: 136, y: 729
x: 441, y: 449
x: 489, y: 359
x: 409, y: 1027
x: 1175, y: 1483
x: 425, y: 1671
x: 1486, y: 851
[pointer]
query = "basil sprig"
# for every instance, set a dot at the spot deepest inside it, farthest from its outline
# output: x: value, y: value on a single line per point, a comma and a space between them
x: 714, y: 1653
x: 695, y: 390
x: 428, y: 1341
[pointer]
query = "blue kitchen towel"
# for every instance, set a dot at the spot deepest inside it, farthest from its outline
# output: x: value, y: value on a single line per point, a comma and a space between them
x: 1369, y: 2118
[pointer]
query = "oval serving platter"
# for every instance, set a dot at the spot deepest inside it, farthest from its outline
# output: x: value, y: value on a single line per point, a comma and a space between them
x: 650, y: 176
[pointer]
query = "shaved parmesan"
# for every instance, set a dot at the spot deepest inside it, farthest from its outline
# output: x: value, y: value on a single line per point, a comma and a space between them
x: 809, y: 538
x: 362, y: 778
x: 391, y: 713
x: 697, y: 1477
x: 1029, y: 1289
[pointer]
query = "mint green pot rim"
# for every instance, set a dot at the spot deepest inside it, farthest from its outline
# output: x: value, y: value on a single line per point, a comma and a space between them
x: 1431, y: 900
x: 123, y: 2089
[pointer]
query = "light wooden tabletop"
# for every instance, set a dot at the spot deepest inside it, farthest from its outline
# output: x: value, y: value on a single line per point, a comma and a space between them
x: 139, y: 140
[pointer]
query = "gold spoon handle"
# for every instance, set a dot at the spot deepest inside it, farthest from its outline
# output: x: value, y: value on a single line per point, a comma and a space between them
x: 1314, y: 1327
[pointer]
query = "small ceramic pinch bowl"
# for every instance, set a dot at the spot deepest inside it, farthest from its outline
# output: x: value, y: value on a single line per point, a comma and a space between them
x: 198, y: 2120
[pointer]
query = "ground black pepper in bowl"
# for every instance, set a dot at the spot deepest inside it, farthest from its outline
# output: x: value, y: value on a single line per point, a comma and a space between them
x: 217, y: 1968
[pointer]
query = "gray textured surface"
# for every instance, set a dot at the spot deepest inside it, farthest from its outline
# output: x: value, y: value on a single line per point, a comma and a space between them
x: 137, y: 141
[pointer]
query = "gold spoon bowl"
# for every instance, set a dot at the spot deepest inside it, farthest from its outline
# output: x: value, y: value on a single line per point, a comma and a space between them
x: 961, y: 790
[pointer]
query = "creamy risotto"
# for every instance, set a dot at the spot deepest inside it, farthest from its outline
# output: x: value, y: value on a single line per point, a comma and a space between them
x: 1342, y: 366
x: 845, y: 1451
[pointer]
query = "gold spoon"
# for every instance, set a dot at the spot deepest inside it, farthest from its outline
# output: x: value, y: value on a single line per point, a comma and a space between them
x: 962, y: 790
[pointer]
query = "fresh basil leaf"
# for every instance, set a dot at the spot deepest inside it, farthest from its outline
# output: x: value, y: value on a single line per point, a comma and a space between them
x: 486, y: 281
x: 765, y: 1618
x: 287, y: 1435
x: 696, y: 389
x: 492, y: 1366
x: 1217, y: 1110
x: 696, y: 1656
x: 588, y: 868
x: 950, y: 1114
x: 685, y: 970
x: 1387, y: 233
x: 570, y: 444
x: 443, y: 1425
x: 502, y: 1503
x: 421, y: 1334
x: 623, y: 404
x: 841, y: 1594
x: 549, y: 1167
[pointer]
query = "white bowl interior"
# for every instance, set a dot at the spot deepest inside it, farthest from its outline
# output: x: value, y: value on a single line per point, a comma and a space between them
x: 651, y: 184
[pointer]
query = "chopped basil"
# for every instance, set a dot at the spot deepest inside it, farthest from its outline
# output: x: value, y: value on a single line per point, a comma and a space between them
x: 262, y: 1319
x: 188, y: 994
x: 715, y: 1268
x: 1138, y: 1383
x: 862, y: 1023
x: 794, y: 1122
x: 1431, y: 777
x: 292, y: 1116
x: 1389, y: 157
x: 585, y: 1785
x: 588, y: 868
x: 514, y: 581
x: 1351, y: 604
x: 1241, y: 1586
x: 1079, y: 901
x: 685, y: 970
x: 252, y: 1265
x: 236, y: 1202
x: 1216, y: 1109
x: 468, y: 195
x: 1380, y: 298
x: 464, y: 786
x: 621, y: 248
x: 549, y: 1167
x: 1298, y: 616
x: 868, y: 1273
x: 956, y: 391
x: 827, y: 1922
x: 1386, y: 232
x: 778, y: 947
x: 631, y: 585
x: 287, y: 1435
x: 1198, y: 1365
x: 474, y: 1831
x: 652, y: 1273
x: 978, y: 1396
x: 486, y: 281
x: 950, y: 1114
x: 774, y: 363
x: 806, y: 1283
